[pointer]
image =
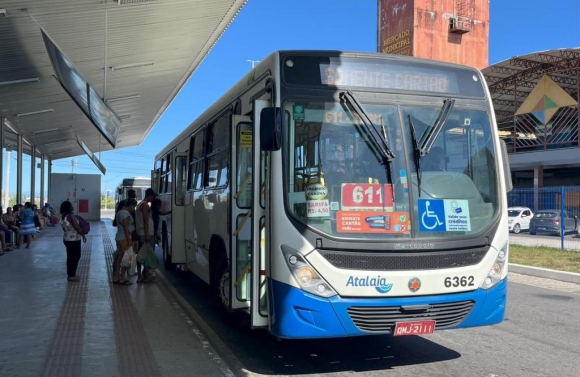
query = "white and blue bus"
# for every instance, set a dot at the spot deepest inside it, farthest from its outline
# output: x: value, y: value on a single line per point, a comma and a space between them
x: 333, y: 194
x: 139, y: 184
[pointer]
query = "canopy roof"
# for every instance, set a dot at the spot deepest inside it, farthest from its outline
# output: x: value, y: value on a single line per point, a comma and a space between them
x: 136, y: 54
x: 511, y: 81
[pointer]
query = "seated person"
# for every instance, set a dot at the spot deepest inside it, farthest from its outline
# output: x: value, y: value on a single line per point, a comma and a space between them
x: 4, y: 228
x: 10, y: 220
x: 48, y: 212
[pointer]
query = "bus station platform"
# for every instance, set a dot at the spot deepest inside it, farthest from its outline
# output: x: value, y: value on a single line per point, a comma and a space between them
x: 52, y: 327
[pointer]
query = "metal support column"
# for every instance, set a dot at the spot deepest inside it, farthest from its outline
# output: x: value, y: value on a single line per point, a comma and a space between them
x: 42, y: 201
x: 538, y: 184
x: 578, y: 102
x: 49, y: 182
x: 19, y: 169
x: 32, y: 173
x: 3, y: 205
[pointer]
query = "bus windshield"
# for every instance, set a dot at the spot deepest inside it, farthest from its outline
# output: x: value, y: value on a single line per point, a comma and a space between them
x: 339, y: 184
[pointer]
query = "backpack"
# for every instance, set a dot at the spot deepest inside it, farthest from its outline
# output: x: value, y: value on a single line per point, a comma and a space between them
x: 83, y: 224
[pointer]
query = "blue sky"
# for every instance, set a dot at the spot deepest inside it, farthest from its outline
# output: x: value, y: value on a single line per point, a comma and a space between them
x: 517, y: 27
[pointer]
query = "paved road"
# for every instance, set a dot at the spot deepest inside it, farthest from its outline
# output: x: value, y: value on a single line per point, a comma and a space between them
x: 540, y: 337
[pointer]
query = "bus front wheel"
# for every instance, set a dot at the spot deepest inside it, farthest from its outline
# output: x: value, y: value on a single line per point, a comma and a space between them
x: 234, y: 319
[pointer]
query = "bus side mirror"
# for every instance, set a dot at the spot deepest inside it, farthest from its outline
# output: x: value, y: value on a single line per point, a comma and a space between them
x: 270, y: 128
x: 506, y: 166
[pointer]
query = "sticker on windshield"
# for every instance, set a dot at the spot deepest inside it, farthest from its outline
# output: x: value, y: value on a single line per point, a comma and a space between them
x: 372, y: 222
x: 367, y: 197
x: 444, y: 215
x: 298, y: 112
x: 317, y: 208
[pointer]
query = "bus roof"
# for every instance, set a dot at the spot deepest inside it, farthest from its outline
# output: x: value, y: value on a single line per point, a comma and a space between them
x: 266, y: 65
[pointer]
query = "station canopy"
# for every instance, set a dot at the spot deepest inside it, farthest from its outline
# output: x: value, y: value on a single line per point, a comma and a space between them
x: 511, y: 81
x: 81, y: 77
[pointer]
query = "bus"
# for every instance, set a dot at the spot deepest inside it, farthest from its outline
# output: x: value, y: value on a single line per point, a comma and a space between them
x: 139, y: 184
x: 334, y: 194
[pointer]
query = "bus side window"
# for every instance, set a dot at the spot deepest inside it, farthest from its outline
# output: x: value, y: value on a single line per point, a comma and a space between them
x: 196, y: 159
x: 180, y: 177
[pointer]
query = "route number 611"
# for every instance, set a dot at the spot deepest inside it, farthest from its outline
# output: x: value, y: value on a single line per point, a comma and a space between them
x: 366, y: 195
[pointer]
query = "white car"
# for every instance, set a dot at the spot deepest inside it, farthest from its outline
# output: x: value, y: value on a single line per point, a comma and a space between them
x: 519, y: 219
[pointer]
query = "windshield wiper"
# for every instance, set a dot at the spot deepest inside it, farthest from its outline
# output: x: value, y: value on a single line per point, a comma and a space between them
x: 428, y: 138
x: 416, y: 153
x: 377, y: 141
x: 432, y: 132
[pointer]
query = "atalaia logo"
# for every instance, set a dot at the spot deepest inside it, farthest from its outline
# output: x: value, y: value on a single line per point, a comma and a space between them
x: 378, y: 282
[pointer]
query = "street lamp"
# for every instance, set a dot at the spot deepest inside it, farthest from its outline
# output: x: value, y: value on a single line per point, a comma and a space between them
x: 253, y: 62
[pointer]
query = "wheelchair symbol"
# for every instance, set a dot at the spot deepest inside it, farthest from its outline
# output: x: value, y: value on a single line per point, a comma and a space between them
x: 434, y: 219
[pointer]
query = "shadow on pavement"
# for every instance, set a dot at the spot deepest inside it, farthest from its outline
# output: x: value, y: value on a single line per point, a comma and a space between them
x: 259, y: 352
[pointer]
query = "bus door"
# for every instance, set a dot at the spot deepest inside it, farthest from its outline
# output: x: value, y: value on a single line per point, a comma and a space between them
x: 241, y: 214
x: 179, y: 198
x: 247, y: 257
x: 259, y: 298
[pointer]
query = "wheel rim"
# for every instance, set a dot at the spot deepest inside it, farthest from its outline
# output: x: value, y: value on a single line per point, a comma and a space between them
x: 224, y: 289
x: 517, y: 228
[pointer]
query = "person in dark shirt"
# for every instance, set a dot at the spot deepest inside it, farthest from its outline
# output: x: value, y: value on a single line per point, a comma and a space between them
x: 156, y: 213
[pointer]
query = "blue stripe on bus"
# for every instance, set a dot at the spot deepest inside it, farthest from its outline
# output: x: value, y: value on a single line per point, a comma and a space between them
x: 298, y: 314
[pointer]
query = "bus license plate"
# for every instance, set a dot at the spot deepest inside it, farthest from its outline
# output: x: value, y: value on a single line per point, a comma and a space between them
x: 414, y: 328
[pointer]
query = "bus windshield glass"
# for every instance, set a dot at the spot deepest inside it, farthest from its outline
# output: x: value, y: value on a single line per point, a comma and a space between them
x: 338, y: 184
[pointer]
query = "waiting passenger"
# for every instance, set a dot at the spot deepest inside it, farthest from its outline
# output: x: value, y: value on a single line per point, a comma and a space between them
x: 72, y: 239
x: 27, y: 226
x: 124, y: 238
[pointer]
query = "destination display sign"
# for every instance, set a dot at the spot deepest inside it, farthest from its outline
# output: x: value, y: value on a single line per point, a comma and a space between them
x: 387, y: 74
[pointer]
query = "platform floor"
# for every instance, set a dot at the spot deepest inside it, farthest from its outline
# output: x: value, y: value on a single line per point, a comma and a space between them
x: 52, y: 327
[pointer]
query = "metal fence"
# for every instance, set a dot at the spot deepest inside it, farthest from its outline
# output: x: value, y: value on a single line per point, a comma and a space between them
x: 548, y: 230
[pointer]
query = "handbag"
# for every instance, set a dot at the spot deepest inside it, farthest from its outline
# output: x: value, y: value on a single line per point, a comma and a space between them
x: 128, y: 257
x: 142, y: 254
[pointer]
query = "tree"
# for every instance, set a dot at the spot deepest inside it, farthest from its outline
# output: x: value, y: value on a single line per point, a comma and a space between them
x: 109, y: 200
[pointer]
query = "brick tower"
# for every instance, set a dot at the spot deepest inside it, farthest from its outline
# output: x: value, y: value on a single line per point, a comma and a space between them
x: 455, y: 31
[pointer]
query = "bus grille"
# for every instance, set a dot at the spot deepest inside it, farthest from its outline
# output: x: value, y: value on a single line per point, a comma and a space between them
x: 405, y: 261
x: 383, y: 319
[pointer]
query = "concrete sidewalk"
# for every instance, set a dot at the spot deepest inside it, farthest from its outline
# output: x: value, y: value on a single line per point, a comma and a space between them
x: 50, y: 327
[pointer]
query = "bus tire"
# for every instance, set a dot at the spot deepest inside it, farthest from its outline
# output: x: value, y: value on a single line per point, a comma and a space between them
x: 235, y: 319
x: 167, y: 260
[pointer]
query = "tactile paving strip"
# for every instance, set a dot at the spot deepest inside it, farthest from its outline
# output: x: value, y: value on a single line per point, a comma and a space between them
x: 135, y: 356
x: 64, y: 356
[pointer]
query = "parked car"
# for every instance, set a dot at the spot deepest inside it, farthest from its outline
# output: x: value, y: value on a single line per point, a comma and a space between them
x: 519, y: 219
x: 550, y: 221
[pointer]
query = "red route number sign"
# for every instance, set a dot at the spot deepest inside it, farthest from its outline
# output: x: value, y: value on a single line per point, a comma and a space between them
x: 366, y: 196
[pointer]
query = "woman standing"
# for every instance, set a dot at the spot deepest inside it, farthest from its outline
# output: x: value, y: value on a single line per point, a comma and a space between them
x: 125, y: 228
x: 72, y: 239
x: 27, y: 227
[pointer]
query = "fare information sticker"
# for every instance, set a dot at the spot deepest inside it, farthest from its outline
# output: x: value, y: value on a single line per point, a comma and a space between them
x: 317, y: 208
x: 372, y: 222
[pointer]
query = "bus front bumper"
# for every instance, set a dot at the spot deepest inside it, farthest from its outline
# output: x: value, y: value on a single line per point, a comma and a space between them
x: 298, y: 314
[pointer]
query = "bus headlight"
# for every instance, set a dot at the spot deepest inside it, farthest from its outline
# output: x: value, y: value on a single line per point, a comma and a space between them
x: 306, y: 276
x: 496, y: 272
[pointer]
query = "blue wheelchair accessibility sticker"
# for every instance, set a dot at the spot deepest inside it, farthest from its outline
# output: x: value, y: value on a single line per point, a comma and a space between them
x: 432, y: 215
